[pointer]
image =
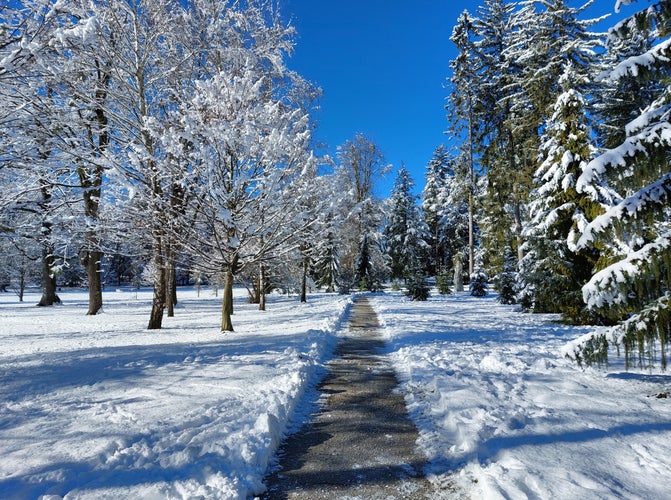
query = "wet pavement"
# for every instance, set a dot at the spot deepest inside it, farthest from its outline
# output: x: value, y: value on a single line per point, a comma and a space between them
x: 361, y: 442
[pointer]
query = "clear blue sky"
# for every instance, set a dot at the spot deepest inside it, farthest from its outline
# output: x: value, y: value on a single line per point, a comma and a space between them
x: 382, y: 65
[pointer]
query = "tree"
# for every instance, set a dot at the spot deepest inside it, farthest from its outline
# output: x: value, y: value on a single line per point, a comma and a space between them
x: 463, y: 106
x: 37, y: 175
x: 405, y: 233
x: 248, y: 142
x: 631, y: 286
x: 436, y: 209
x: 553, y: 271
x: 327, y: 246
x: 82, y: 73
x: 360, y: 164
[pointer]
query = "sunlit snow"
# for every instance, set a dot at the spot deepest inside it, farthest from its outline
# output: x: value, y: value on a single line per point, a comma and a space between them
x: 99, y: 407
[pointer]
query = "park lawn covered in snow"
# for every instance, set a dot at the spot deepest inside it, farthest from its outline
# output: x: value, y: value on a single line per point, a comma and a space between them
x: 99, y: 407
x: 502, y: 414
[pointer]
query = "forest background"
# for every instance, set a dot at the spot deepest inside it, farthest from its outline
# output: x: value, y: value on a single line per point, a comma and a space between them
x: 160, y: 143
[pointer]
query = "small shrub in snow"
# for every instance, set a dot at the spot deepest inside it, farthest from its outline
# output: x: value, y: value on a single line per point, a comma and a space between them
x: 479, y: 286
x: 444, y: 283
x: 417, y: 289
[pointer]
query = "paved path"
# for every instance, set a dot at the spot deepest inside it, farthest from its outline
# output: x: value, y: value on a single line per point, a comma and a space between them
x: 361, y: 443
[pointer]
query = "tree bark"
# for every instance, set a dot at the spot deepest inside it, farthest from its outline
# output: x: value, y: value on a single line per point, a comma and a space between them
x: 171, y: 283
x: 458, y: 274
x: 91, y: 261
x: 158, y: 302
x: 49, y: 296
x: 262, y: 288
x: 304, y: 281
x: 227, y: 303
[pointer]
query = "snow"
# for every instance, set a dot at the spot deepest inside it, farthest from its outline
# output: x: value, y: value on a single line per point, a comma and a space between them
x: 98, y: 407
x: 502, y: 414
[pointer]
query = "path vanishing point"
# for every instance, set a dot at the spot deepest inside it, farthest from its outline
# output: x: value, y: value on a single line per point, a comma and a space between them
x: 361, y: 442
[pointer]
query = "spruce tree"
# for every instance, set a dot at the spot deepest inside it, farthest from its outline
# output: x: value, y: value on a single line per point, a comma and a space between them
x: 435, y: 209
x: 632, y: 286
x: 406, y: 233
x: 553, y: 271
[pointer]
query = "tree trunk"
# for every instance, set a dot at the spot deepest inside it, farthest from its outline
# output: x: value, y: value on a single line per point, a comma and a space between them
x: 158, y: 303
x: 517, y: 215
x: 471, y: 236
x: 262, y: 288
x: 49, y: 296
x: 22, y: 284
x: 227, y: 303
x: 458, y: 274
x: 471, y: 189
x: 171, y: 284
x: 304, y: 281
x: 91, y: 261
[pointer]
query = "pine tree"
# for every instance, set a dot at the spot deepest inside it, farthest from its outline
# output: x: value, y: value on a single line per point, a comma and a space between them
x: 553, y: 271
x: 406, y: 233
x: 632, y: 285
x: 326, y: 268
x: 436, y: 209
x: 463, y: 107
x: 506, y: 280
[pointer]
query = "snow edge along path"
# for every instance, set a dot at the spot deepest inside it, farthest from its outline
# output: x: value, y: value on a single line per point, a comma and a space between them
x: 93, y: 407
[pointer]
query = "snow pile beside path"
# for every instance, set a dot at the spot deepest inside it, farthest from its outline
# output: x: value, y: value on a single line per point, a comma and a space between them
x: 98, y: 407
x: 502, y: 414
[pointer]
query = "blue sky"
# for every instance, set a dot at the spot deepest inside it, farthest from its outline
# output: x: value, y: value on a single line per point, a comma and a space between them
x: 382, y: 65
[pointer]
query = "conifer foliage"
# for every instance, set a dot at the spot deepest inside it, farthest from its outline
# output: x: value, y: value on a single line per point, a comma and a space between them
x: 632, y: 285
x: 406, y: 233
x: 573, y: 149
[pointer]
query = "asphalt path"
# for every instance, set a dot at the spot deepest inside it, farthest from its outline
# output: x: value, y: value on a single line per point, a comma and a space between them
x: 361, y: 442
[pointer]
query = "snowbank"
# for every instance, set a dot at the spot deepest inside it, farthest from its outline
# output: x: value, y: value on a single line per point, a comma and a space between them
x: 502, y: 414
x: 98, y: 407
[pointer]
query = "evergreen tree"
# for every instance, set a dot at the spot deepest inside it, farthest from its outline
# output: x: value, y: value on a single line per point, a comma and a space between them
x: 463, y: 107
x: 632, y: 286
x: 553, y: 271
x: 326, y: 268
x: 360, y: 164
x: 506, y: 140
x: 479, y: 283
x: 405, y: 233
x: 506, y: 280
x: 364, y: 277
x: 435, y: 209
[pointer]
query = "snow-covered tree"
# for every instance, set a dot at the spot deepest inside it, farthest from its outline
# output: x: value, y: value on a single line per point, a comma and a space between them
x: 249, y: 143
x: 37, y: 175
x: 436, y: 209
x: 552, y: 270
x: 503, y: 137
x: 328, y: 247
x: 360, y: 164
x: 405, y: 233
x: 463, y: 107
x: 506, y: 281
x: 632, y: 286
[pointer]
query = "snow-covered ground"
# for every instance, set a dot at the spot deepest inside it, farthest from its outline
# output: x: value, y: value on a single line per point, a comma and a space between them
x: 99, y: 407
x: 502, y: 415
